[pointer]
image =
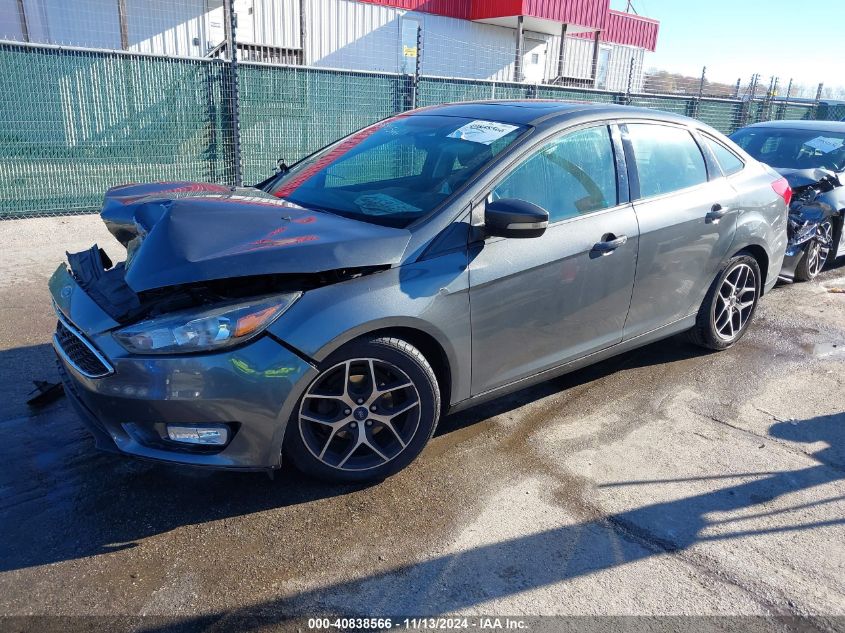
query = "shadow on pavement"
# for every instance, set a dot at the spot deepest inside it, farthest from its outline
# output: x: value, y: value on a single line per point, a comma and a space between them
x: 54, y: 482
x: 449, y: 583
x: 61, y: 501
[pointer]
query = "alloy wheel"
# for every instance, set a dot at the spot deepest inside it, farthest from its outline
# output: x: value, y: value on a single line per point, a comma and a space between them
x: 735, y: 302
x: 359, y: 414
x: 819, y: 249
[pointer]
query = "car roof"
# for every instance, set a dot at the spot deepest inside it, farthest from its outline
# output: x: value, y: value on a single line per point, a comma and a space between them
x: 540, y: 111
x: 816, y: 126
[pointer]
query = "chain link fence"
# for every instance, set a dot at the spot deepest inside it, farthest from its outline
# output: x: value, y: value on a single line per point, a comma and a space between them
x: 144, y: 91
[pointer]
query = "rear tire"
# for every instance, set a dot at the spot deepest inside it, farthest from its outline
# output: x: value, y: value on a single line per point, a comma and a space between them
x: 729, y: 305
x: 367, y: 415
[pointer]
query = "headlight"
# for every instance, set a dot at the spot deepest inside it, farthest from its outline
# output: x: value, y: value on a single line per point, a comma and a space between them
x: 202, y: 330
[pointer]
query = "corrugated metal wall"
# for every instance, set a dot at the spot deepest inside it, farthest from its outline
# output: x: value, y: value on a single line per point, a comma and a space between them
x: 276, y: 22
x: 453, y: 8
x: 589, y: 13
x: 187, y: 28
x: 631, y: 30
x: 365, y: 36
x: 344, y: 34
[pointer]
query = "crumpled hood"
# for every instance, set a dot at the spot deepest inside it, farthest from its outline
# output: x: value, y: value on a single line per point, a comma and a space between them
x: 183, y: 233
x: 799, y: 178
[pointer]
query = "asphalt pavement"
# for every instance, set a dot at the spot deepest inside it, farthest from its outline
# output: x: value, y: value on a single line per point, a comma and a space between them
x: 666, y: 481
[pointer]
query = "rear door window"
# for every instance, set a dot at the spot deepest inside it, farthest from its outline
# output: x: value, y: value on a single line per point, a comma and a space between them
x: 569, y: 176
x: 668, y: 158
x: 728, y: 161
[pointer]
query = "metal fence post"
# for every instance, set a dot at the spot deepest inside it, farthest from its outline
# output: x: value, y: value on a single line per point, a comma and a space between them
x: 818, y: 101
x: 752, y: 94
x: 697, y: 105
x: 417, y: 62
x: 770, y: 97
x: 785, y: 103
x: 630, y: 81
x: 230, y: 19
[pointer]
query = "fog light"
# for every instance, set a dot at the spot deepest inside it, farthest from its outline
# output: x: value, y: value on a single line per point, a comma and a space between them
x: 215, y: 435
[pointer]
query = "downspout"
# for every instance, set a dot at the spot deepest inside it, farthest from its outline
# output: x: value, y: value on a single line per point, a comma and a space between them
x: 561, y: 57
x: 595, y: 69
x: 124, y: 28
x: 302, y: 33
x: 24, y: 24
x: 520, y: 45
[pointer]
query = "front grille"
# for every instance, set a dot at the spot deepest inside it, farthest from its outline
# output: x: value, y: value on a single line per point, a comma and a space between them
x: 80, y: 353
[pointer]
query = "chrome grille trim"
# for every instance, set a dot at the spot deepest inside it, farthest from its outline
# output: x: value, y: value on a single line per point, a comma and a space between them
x: 109, y: 368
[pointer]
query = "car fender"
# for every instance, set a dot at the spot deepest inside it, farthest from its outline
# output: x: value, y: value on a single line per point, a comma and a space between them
x: 430, y: 297
x: 753, y: 229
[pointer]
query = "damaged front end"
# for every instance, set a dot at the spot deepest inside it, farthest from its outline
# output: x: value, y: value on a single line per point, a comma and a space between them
x: 810, y: 226
x: 162, y: 354
x: 193, y: 245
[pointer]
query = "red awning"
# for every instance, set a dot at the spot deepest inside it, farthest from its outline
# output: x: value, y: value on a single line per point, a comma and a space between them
x: 545, y: 16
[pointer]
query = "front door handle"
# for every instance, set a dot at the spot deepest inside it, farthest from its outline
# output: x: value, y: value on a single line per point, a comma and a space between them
x: 609, y: 244
x: 716, y: 213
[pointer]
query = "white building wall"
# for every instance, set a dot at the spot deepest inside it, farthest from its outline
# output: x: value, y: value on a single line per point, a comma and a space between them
x: 339, y: 34
x: 353, y: 35
x: 275, y: 22
x: 460, y: 48
x: 10, y: 22
x: 91, y: 23
x: 185, y: 28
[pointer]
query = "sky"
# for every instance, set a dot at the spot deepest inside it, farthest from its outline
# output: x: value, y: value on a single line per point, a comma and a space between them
x: 737, y: 38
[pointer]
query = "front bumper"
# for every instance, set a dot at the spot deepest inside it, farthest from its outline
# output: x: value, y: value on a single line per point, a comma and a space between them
x: 252, y: 389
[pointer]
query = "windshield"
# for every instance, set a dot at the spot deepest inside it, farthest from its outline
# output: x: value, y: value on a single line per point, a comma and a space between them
x: 396, y: 171
x: 794, y: 149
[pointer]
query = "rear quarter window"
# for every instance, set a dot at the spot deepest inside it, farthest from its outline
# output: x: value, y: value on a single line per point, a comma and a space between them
x: 668, y: 158
x: 728, y: 161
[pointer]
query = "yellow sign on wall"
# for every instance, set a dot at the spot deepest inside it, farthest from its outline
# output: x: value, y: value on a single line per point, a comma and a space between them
x: 409, y: 51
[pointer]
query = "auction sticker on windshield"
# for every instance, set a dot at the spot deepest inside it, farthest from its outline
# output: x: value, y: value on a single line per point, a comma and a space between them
x: 825, y: 144
x: 484, y: 132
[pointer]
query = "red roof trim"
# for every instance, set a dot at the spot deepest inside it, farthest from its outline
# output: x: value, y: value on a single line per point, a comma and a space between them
x: 631, y: 30
x: 616, y: 27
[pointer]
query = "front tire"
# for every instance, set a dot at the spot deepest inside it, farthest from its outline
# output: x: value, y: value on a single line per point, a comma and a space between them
x: 816, y: 253
x: 367, y: 415
x: 729, y: 305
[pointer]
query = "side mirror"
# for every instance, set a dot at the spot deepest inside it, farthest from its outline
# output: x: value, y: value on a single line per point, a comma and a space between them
x: 515, y: 218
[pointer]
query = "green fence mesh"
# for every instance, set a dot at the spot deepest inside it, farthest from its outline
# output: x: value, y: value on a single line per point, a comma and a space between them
x: 75, y: 122
x: 830, y: 112
x: 287, y: 113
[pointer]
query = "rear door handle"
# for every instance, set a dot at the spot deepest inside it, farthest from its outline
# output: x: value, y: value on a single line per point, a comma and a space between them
x: 609, y: 244
x: 716, y: 213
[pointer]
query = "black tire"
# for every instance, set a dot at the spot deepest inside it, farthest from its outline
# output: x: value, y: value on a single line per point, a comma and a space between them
x: 407, y: 433
x: 838, y: 222
x: 706, y: 332
x: 814, y: 258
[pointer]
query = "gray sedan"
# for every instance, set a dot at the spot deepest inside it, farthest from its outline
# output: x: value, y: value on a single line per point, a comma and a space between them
x: 335, y: 312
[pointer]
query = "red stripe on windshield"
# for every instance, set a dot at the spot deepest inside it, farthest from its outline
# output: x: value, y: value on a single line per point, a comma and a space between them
x: 344, y: 146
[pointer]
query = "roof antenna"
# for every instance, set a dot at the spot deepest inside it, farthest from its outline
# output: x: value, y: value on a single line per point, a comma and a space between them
x: 630, y: 7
